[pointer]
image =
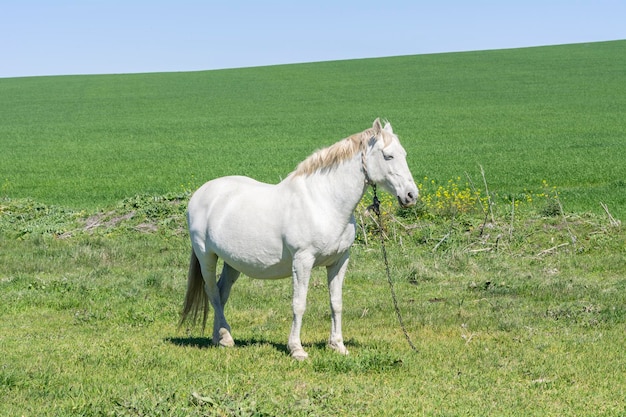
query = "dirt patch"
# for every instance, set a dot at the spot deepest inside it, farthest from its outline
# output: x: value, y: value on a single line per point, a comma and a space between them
x: 107, y: 220
x: 146, y: 227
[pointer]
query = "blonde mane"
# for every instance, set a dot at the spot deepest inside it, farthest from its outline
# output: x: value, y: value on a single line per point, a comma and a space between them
x: 341, y: 151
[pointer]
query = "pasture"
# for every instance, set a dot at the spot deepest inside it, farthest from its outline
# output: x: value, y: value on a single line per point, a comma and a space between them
x: 525, y: 115
x: 512, y: 284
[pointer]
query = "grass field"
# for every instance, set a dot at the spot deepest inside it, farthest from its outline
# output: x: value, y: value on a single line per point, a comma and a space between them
x: 528, y: 321
x: 514, y: 294
x: 525, y: 115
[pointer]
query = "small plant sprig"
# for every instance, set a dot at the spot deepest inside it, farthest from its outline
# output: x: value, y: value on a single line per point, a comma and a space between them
x: 189, y: 188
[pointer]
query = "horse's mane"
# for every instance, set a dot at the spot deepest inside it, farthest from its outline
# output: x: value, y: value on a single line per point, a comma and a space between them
x: 340, y: 151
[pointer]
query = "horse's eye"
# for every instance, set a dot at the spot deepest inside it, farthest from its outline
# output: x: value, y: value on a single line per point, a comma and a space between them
x: 387, y: 157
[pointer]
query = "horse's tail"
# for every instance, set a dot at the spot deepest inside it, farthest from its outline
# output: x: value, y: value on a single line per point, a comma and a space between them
x: 196, y: 299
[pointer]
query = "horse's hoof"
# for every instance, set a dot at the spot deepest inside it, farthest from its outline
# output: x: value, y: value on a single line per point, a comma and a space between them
x: 225, y: 339
x: 299, y: 354
x: 338, y: 347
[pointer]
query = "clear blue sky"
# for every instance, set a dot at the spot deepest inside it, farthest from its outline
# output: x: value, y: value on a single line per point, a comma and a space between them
x: 53, y: 37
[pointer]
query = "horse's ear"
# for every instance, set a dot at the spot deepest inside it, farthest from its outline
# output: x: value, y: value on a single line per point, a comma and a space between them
x: 377, y: 126
x: 388, y: 128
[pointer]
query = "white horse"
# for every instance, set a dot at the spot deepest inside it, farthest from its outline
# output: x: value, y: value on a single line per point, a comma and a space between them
x: 276, y: 231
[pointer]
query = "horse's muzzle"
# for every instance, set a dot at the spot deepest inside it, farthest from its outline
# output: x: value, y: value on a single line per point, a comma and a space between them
x: 408, y: 200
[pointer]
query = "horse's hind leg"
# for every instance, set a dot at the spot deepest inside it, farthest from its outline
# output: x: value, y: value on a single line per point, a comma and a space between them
x: 227, y: 279
x: 221, y: 329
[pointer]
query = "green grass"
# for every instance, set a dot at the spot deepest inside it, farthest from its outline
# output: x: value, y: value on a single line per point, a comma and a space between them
x: 525, y: 115
x: 89, y: 303
x: 518, y: 307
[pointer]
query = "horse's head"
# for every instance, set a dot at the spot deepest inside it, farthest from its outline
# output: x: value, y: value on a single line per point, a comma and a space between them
x: 385, y: 165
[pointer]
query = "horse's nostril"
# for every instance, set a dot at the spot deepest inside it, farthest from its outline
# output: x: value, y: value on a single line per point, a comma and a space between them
x: 411, y: 195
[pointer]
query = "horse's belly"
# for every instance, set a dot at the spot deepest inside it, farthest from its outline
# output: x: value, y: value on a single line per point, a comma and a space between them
x: 268, y: 258
x: 265, y: 272
x: 251, y: 249
x: 256, y: 261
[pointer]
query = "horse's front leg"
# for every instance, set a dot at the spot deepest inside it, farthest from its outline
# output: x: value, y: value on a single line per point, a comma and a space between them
x: 301, y: 273
x: 336, y: 274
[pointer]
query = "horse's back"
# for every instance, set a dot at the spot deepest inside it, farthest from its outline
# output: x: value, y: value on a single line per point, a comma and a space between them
x: 227, y: 199
x: 222, y: 192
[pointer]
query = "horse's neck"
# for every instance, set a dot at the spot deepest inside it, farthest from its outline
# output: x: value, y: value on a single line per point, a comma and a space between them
x: 342, y: 186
